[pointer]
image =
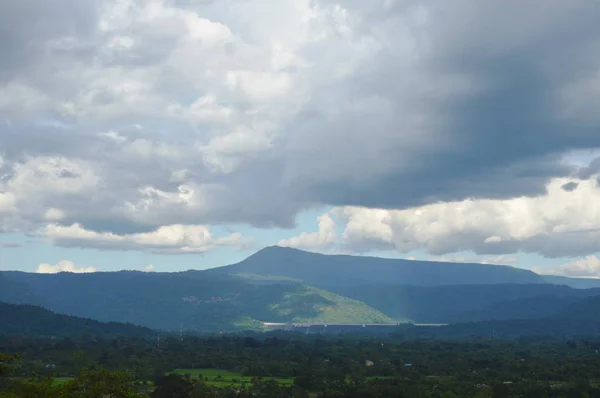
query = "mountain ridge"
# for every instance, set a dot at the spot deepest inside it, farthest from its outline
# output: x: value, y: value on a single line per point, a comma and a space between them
x: 326, y: 270
x: 285, y: 285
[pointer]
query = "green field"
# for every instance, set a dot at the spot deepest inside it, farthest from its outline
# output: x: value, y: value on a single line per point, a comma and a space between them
x: 59, y: 381
x: 225, y: 378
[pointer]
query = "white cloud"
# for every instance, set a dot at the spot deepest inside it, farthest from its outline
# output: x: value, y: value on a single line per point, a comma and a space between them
x: 149, y: 268
x: 7, y: 202
x: 63, y: 266
x: 324, y: 239
x: 54, y: 214
x: 113, y: 135
x: 559, y: 223
x: 10, y: 244
x: 52, y: 176
x: 588, y: 267
x: 226, y: 152
x: 365, y: 226
x: 172, y: 239
x: 499, y: 260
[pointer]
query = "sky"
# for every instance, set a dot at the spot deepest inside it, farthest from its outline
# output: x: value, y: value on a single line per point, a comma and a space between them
x: 164, y: 135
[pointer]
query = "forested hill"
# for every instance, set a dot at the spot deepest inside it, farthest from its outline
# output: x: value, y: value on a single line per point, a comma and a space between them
x: 32, y: 321
x: 466, y: 303
x: 200, y: 302
x: 338, y: 270
x: 287, y: 285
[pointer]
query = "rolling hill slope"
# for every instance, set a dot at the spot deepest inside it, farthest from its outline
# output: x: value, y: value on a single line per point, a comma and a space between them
x: 30, y: 321
x: 204, y: 302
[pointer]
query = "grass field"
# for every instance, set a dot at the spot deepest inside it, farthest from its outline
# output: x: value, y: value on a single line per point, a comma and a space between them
x: 58, y: 381
x: 225, y: 378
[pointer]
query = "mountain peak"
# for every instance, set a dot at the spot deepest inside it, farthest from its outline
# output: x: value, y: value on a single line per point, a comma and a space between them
x: 327, y: 270
x: 280, y: 249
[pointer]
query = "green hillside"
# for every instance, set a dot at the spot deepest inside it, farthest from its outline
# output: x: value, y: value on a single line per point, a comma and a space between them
x: 198, y: 301
x: 313, y: 305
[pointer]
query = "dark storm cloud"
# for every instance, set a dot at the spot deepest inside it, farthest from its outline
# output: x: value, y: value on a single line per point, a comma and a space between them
x: 392, y: 107
x: 502, y: 139
x: 27, y: 25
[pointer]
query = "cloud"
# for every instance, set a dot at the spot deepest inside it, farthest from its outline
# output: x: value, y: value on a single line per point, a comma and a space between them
x: 500, y: 260
x: 149, y: 268
x: 63, y: 266
x: 560, y: 223
x: 10, y: 245
x: 324, y: 239
x: 7, y: 203
x: 172, y: 239
x: 123, y: 118
x: 570, y: 186
x: 588, y: 267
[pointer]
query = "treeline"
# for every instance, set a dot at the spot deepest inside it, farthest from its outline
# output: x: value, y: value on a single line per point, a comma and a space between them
x: 326, y: 366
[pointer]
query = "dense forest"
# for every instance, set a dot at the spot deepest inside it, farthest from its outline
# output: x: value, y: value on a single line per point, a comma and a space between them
x: 32, y: 321
x: 283, y: 364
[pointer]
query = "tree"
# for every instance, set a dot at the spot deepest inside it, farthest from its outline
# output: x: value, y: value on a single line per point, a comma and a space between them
x: 34, y: 388
x: 173, y: 386
x: 100, y: 383
x: 5, y: 360
x: 5, y: 369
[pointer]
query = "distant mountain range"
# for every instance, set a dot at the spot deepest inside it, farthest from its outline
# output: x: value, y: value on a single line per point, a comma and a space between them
x: 577, y: 283
x: 342, y: 270
x: 288, y: 285
x: 466, y: 303
x: 425, y: 291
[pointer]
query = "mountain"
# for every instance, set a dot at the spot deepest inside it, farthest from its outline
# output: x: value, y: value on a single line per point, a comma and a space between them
x: 586, y: 308
x: 536, y: 307
x: 327, y: 271
x: 552, y: 316
x: 505, y: 329
x: 454, y: 303
x: 199, y: 301
x: 421, y: 291
x: 577, y: 283
x: 30, y: 321
x: 288, y: 285
x: 15, y: 291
